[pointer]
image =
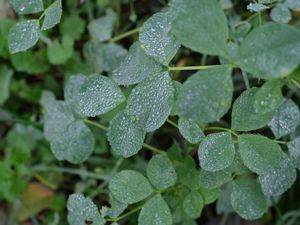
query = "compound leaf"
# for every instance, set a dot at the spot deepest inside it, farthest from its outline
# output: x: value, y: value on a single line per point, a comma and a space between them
x: 197, y: 29
x: 52, y: 15
x: 151, y: 101
x: 156, y: 38
x: 136, y: 67
x: 206, y: 96
x: 155, y: 212
x: 82, y: 211
x: 125, y: 135
x: 260, y: 154
x: 190, y: 131
x: 216, y: 151
x: 129, y: 186
x: 247, y: 199
x: 161, y: 172
x: 28, y: 6
x: 269, y: 56
x: 23, y: 35
x: 92, y: 95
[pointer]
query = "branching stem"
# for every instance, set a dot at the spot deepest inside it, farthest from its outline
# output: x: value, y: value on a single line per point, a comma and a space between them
x: 177, y: 68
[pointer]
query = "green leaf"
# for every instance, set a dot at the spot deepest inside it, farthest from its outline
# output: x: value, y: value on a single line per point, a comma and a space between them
x: 210, y: 195
x: 269, y: 56
x: 125, y: 135
x: 294, y: 151
x: 155, y: 212
x: 259, y: 153
x: 197, y: 29
x: 244, y: 117
x: 256, y: 7
x: 23, y: 35
x: 101, y: 29
x: 72, y: 26
x: 286, y: 119
x: 92, y: 95
x: 82, y: 211
x: 28, y: 6
x: 150, y: 102
x: 136, y: 67
x: 161, y: 172
x: 268, y: 97
x: 116, y: 208
x: 277, y: 181
x: 247, y: 199
x: 214, y: 179
x: 188, y: 174
x: 190, y: 131
x: 52, y: 15
x: 223, y: 203
x: 193, y: 204
x: 156, y: 38
x: 216, y: 151
x: 59, y: 53
x: 5, y: 25
x: 281, y: 14
x: 5, y: 80
x: 206, y: 96
x: 129, y: 186
x: 293, y: 4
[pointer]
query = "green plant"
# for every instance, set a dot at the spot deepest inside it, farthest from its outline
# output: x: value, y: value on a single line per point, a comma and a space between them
x: 239, y: 162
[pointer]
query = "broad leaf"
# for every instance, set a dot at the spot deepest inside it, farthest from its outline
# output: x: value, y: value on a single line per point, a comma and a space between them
x: 247, y: 199
x: 286, y: 119
x: 214, y: 179
x: 294, y: 151
x: 281, y: 14
x: 23, y: 35
x: 151, y: 101
x: 197, y: 29
x: 28, y: 6
x: 72, y: 25
x: 125, y: 135
x: 156, y: 38
x: 188, y: 174
x: 193, y: 204
x: 293, y: 4
x: 260, y: 154
x: 206, y: 96
x: 268, y: 56
x: 5, y: 80
x: 59, y: 53
x: 190, y: 131
x: 82, y: 211
x: 210, y: 195
x: 161, y: 172
x: 244, y: 116
x: 52, y: 15
x: 116, y: 207
x: 92, y: 95
x: 224, y: 202
x: 136, y: 67
x: 129, y: 186
x: 277, y: 181
x: 155, y: 212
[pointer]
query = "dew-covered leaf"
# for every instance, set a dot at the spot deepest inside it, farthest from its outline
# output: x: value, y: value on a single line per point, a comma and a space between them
x: 129, y: 186
x: 190, y: 131
x: 286, y: 119
x: 269, y: 56
x: 92, y: 95
x: 155, y: 212
x: 156, y: 38
x: 247, y: 199
x: 224, y: 202
x: 196, y: 28
x: 281, y: 14
x: 268, y: 97
x: 82, y: 211
x: 116, y: 207
x: 206, y: 96
x: 193, y: 204
x: 256, y: 7
x: 28, y: 6
x: 294, y: 151
x: 209, y: 195
x: 125, y: 135
x: 216, y: 151
x: 52, y: 15
x: 161, y: 172
x: 260, y: 154
x: 293, y: 4
x: 5, y: 80
x: 136, y: 67
x: 278, y: 180
x: 151, y: 101
x: 23, y: 35
x: 244, y: 116
x: 101, y: 29
x: 214, y: 179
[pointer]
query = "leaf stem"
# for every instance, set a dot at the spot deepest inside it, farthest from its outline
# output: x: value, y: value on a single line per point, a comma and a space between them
x: 222, y: 129
x: 176, y: 68
x: 246, y: 80
x: 295, y: 83
x: 280, y: 142
x: 153, y: 149
x: 124, y: 35
x: 172, y: 123
x: 126, y: 214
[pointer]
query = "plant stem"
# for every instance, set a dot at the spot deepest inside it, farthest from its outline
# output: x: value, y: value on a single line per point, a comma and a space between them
x: 197, y: 67
x: 126, y: 214
x: 246, y: 80
x: 79, y: 172
x: 172, y: 123
x: 296, y: 83
x: 223, y: 129
x: 124, y: 35
x: 280, y: 142
x: 153, y: 149
x: 21, y: 121
x: 102, y: 127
